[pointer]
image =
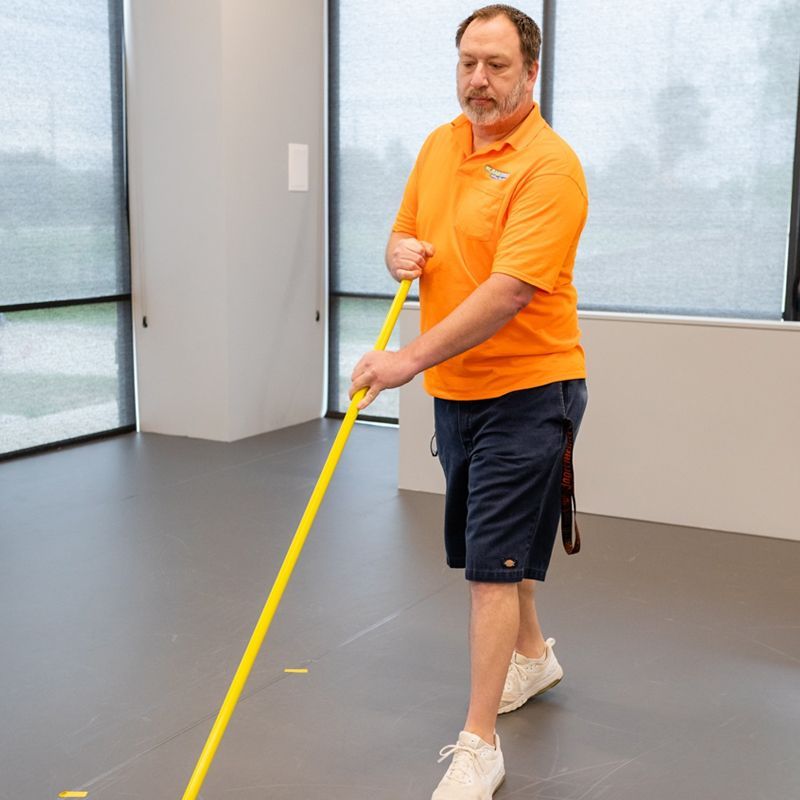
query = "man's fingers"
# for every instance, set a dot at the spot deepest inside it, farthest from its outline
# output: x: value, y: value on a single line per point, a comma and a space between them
x: 357, y: 370
x: 376, y: 371
x: 414, y: 245
x: 359, y: 381
x: 418, y: 250
x: 371, y: 394
x: 409, y: 263
x: 411, y: 258
x: 361, y: 375
x: 364, y: 377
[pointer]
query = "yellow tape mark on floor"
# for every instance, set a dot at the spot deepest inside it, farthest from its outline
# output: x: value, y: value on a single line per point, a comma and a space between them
x: 297, y: 671
x: 74, y: 794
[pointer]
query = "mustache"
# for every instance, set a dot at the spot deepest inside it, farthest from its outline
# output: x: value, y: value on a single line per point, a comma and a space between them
x: 479, y: 95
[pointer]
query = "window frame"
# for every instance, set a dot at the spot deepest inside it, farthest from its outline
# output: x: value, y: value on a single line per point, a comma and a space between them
x: 791, y: 306
x: 122, y: 226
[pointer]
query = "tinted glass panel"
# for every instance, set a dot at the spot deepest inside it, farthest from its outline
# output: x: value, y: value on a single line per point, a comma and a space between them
x: 64, y: 372
x: 390, y: 90
x: 62, y: 216
x: 355, y: 325
x: 684, y: 117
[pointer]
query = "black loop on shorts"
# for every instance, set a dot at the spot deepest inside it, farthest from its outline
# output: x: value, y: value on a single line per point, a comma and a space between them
x: 569, y: 509
x: 434, y: 446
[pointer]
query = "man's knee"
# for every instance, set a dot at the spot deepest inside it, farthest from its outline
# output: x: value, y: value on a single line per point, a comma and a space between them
x: 484, y: 591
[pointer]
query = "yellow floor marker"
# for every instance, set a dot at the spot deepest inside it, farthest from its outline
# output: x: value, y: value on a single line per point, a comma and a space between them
x: 289, y: 562
x: 296, y: 671
x: 74, y: 794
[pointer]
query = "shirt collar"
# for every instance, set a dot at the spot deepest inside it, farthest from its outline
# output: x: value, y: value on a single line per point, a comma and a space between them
x: 521, y: 137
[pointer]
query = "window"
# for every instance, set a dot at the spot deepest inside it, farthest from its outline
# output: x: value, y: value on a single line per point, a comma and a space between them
x: 66, y: 367
x: 388, y: 90
x: 684, y: 117
x: 685, y: 120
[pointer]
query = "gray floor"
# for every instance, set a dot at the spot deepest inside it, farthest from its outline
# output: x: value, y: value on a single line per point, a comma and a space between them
x: 134, y: 569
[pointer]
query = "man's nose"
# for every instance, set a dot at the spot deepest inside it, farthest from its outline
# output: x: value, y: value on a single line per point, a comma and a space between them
x: 478, y: 78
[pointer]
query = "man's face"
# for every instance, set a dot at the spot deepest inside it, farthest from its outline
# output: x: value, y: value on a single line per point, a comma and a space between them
x: 492, y: 81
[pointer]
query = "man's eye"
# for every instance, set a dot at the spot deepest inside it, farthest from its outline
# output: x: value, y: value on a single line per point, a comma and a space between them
x: 468, y: 64
x: 497, y: 66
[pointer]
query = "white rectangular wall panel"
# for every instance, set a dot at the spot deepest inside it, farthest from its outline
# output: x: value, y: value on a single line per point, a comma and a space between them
x: 298, y: 167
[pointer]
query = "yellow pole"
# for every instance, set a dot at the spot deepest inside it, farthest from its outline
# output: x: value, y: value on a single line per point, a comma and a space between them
x: 289, y: 562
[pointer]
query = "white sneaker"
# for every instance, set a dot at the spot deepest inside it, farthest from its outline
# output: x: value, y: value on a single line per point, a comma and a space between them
x: 475, y: 772
x: 528, y: 677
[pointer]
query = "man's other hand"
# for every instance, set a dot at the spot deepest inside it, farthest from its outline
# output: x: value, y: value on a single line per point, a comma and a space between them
x: 406, y: 257
x: 379, y: 370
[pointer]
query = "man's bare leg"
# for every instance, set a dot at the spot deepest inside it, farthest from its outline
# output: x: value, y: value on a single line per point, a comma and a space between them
x: 494, y: 627
x: 530, y: 641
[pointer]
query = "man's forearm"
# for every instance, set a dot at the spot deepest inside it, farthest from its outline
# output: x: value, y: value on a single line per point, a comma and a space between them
x: 491, y: 306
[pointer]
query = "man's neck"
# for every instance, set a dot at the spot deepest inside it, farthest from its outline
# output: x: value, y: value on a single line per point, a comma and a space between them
x: 483, y: 135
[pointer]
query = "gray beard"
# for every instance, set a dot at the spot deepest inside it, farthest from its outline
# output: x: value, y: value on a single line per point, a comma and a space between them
x: 497, y: 112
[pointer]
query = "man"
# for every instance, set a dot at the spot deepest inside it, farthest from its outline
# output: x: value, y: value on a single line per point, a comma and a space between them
x: 489, y: 223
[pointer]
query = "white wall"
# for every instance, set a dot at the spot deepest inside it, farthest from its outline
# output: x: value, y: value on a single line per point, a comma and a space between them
x: 688, y: 423
x: 228, y: 266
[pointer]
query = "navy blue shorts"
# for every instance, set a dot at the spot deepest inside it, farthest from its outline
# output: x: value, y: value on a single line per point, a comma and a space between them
x: 503, y: 463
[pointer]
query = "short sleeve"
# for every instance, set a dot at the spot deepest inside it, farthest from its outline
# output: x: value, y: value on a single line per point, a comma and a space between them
x: 545, y: 218
x: 406, y: 220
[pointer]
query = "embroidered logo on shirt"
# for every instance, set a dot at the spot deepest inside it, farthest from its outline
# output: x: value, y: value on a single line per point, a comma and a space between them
x: 495, y: 174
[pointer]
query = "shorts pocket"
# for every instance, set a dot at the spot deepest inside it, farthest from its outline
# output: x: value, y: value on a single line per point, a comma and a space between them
x: 476, y: 213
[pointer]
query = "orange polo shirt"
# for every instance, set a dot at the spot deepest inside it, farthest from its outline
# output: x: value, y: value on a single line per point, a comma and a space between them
x: 517, y: 207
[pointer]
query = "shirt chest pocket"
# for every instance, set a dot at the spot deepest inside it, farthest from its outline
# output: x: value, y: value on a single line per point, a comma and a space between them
x: 476, y: 212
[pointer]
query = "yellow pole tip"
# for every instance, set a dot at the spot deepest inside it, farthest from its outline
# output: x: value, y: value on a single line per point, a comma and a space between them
x: 296, y: 671
x: 74, y: 794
